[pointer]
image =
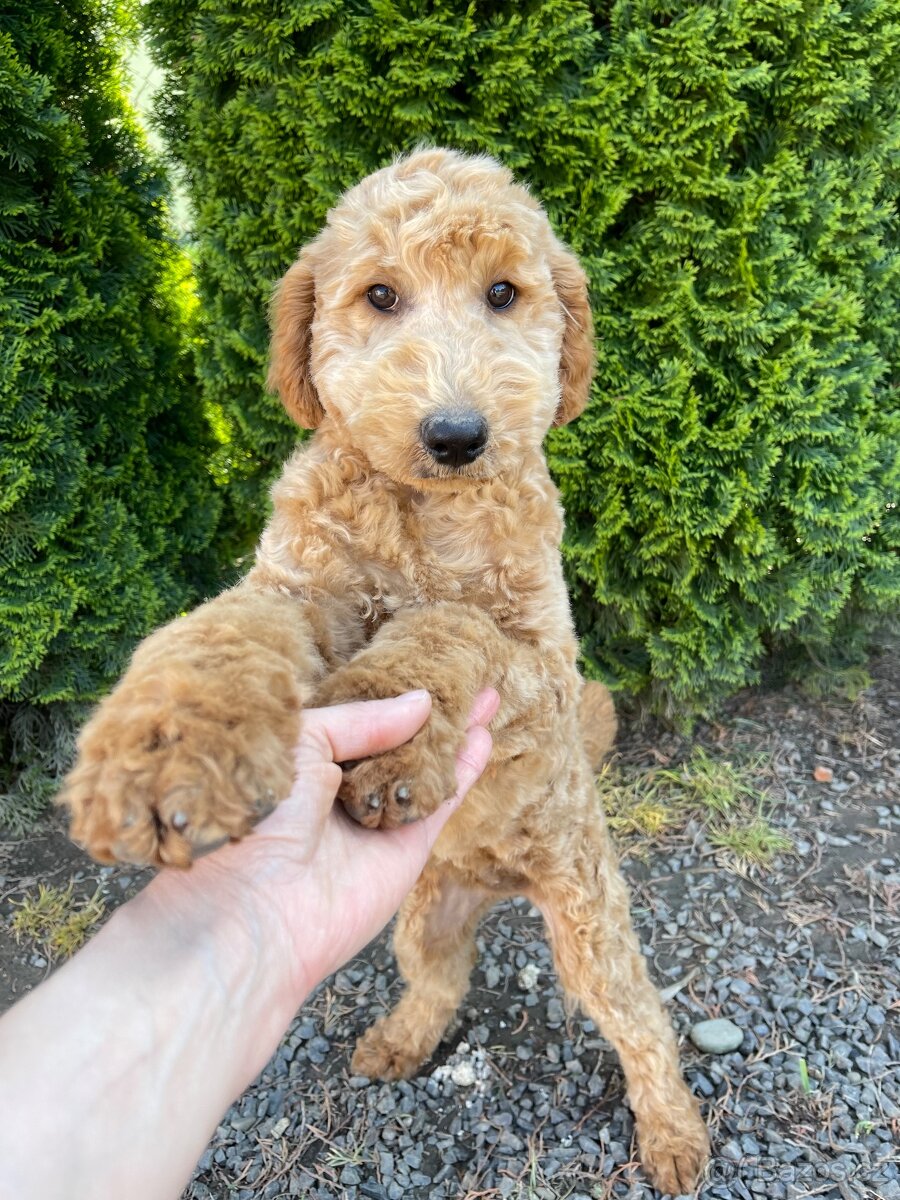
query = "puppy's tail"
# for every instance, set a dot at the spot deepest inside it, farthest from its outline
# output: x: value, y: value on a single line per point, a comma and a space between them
x: 598, y: 722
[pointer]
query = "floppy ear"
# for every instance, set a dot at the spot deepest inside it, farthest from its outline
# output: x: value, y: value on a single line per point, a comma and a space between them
x: 291, y: 314
x: 576, y: 364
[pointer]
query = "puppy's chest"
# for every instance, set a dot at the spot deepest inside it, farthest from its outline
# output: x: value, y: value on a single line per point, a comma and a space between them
x: 500, y: 565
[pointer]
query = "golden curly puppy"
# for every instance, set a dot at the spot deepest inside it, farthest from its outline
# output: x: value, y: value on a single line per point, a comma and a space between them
x: 432, y: 333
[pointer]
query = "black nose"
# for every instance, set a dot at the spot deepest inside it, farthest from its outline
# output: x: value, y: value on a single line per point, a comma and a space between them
x: 454, y: 439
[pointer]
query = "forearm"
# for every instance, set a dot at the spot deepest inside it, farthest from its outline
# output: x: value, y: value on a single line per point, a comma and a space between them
x: 116, y: 1072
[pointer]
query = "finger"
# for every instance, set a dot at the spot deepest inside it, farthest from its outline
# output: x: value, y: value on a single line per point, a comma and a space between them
x: 361, y: 728
x: 472, y: 759
x: 484, y: 707
x: 470, y: 763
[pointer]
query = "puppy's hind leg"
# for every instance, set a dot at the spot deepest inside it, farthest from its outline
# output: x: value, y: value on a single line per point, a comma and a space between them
x: 585, y: 903
x: 435, y: 946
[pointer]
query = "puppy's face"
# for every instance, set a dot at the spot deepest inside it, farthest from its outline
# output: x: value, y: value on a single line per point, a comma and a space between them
x: 437, y: 321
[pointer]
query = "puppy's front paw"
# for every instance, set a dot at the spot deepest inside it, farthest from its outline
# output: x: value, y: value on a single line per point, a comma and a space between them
x: 171, y: 764
x: 399, y: 786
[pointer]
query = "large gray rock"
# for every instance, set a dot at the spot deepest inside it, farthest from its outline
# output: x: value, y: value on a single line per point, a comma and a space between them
x: 716, y: 1037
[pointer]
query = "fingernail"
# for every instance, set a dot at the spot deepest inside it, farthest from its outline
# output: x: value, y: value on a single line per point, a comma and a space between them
x: 419, y: 694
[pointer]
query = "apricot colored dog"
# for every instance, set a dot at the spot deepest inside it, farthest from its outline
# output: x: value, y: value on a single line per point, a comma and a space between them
x: 431, y: 334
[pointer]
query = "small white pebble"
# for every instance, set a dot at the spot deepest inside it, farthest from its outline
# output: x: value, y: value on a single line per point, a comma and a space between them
x: 529, y: 976
x: 463, y: 1074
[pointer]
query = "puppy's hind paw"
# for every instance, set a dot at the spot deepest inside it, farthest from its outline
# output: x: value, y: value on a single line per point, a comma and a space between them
x: 378, y: 1056
x: 674, y: 1151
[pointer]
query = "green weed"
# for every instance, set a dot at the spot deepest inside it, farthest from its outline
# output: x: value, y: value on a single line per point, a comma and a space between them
x: 723, y: 795
x: 55, y: 921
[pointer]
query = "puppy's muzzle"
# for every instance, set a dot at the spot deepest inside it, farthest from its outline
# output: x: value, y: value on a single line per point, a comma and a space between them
x: 454, y: 439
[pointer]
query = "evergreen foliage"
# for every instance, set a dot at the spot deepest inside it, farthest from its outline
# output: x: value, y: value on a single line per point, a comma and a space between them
x: 37, y: 747
x: 107, y: 506
x: 728, y: 174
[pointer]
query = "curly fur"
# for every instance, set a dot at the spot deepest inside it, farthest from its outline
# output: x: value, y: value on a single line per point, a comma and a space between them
x: 381, y: 570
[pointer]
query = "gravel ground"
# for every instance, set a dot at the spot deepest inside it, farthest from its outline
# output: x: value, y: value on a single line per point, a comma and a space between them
x: 526, y: 1100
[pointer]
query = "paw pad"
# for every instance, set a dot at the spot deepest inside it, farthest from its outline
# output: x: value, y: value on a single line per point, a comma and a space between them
x: 388, y: 804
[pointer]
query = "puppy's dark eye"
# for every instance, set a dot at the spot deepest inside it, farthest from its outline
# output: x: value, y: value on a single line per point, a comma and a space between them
x: 383, y: 297
x: 501, y: 295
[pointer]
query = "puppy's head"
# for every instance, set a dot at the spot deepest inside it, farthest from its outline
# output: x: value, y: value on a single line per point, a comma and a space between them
x: 437, y: 320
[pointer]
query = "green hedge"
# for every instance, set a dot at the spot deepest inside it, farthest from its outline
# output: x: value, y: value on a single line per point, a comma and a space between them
x: 107, y: 506
x: 728, y: 173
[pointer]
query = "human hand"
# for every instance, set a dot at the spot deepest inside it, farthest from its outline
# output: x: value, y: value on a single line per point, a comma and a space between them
x: 154, y: 1027
x: 319, y: 883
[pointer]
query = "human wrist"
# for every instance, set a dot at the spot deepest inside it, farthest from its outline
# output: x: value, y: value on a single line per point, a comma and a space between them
x: 219, y: 916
